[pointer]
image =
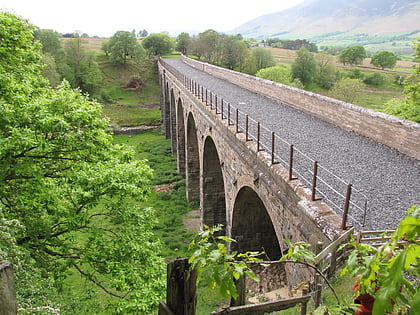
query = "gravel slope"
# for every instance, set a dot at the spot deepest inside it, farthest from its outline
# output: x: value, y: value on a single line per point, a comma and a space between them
x: 388, y: 178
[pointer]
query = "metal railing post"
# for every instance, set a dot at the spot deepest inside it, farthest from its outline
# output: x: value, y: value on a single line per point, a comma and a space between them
x: 314, y: 178
x: 346, y: 207
x: 246, y: 128
x: 291, y: 162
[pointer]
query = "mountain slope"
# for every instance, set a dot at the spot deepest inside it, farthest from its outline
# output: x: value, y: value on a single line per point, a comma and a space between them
x: 328, y: 16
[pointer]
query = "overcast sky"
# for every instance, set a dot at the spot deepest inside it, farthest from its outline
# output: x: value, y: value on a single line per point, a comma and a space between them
x: 105, y: 17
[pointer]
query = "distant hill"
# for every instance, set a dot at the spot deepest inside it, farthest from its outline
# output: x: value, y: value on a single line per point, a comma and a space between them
x: 339, y: 19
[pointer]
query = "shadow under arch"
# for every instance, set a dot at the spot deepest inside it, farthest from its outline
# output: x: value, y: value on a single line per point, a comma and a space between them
x: 180, y: 136
x: 252, y: 227
x: 192, y: 158
x: 214, y: 200
x: 173, y: 123
x: 166, y: 112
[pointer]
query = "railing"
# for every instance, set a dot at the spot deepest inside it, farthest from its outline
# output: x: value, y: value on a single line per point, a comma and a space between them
x: 323, y: 184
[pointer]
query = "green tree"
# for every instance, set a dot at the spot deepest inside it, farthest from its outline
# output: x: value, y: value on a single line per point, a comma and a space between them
x: 408, y: 107
x: 158, y: 44
x: 384, y: 59
x: 352, y: 55
x: 280, y: 74
x: 67, y: 193
x: 347, y: 89
x: 182, y: 42
x: 50, y: 40
x: 304, y: 66
x: 263, y: 57
x: 80, y: 67
x: 122, y: 45
x: 326, y: 74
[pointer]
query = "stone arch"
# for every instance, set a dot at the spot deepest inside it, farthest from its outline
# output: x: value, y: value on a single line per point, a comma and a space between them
x: 173, y: 123
x: 180, y: 136
x: 192, y: 161
x: 213, y: 188
x: 252, y: 227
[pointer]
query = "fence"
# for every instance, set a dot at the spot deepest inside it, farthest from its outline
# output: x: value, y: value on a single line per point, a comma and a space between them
x: 324, y: 184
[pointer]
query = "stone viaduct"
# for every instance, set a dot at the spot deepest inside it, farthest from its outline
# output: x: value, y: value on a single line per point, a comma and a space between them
x: 237, y: 184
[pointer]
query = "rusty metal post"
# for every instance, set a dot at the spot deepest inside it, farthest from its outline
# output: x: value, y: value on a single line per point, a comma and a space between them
x: 291, y: 162
x: 314, y: 178
x: 346, y: 207
x: 273, y: 135
x: 229, y: 115
x: 246, y: 128
x: 216, y: 104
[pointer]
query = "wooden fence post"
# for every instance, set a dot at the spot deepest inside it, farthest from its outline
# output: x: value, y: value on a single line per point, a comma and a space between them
x: 240, y: 289
x: 317, y: 278
x: 8, y: 304
x: 181, y: 295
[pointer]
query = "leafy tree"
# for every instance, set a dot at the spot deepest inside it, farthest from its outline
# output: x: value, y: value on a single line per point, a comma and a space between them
x: 387, y: 273
x: 182, y: 42
x: 384, y: 59
x: 216, y: 266
x: 280, y: 74
x: 326, y: 73
x: 50, y: 69
x: 80, y: 67
x: 142, y: 33
x: 263, y: 57
x: 68, y: 195
x: 122, y: 45
x: 408, y: 107
x: 158, y: 44
x: 304, y: 66
x: 352, y: 55
x: 50, y: 40
x: 347, y: 89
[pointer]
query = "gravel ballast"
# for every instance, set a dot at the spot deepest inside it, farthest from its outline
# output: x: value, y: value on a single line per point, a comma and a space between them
x: 390, y: 180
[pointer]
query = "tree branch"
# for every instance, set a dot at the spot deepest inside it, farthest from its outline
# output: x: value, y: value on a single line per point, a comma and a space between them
x: 91, y: 278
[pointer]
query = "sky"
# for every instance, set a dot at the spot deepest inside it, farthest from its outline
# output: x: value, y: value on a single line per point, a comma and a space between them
x: 105, y: 17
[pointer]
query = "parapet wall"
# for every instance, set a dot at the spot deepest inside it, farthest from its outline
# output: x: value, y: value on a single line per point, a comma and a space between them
x: 399, y: 134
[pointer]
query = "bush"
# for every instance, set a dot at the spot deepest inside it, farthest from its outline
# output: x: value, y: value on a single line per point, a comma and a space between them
x: 374, y: 79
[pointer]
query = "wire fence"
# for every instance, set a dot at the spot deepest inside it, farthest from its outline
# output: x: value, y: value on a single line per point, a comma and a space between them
x: 323, y: 184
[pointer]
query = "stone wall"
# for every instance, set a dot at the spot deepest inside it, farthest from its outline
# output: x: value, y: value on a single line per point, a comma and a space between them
x: 8, y: 305
x: 399, y: 134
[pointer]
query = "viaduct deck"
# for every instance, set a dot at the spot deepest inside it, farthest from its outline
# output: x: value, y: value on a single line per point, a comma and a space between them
x: 386, y: 178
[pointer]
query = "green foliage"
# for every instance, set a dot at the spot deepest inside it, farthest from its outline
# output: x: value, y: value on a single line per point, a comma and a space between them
x: 123, y: 44
x: 347, y: 89
x: 216, y: 266
x: 50, y: 41
x: 387, y: 272
x: 223, y: 50
x: 408, y: 107
x: 72, y: 192
x: 304, y: 66
x: 182, y: 42
x: 384, y: 59
x: 280, y: 74
x: 158, y: 44
x: 79, y: 67
x: 263, y: 58
x: 374, y: 79
x: 352, y: 55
